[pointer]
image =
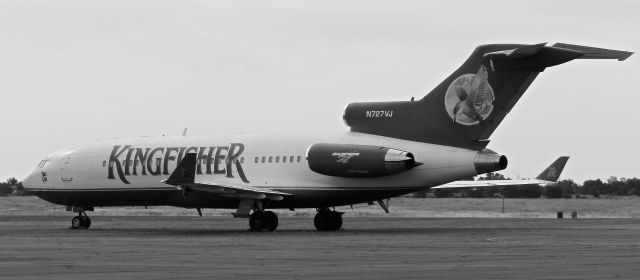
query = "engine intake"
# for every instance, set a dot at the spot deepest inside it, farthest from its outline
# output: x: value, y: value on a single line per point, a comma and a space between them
x: 359, y: 161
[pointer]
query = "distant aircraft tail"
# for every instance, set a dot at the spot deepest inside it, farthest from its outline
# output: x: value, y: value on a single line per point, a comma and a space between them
x: 466, y: 108
x: 552, y: 173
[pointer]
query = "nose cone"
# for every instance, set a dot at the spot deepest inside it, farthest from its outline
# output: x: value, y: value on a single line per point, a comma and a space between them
x: 33, y: 180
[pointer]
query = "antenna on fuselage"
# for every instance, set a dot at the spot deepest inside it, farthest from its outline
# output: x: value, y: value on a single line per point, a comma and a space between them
x: 184, y: 132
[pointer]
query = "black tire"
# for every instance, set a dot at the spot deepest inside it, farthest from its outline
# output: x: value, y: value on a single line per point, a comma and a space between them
x: 336, y: 221
x: 272, y: 220
x: 85, y: 222
x: 76, y: 222
x: 322, y: 221
x: 257, y: 221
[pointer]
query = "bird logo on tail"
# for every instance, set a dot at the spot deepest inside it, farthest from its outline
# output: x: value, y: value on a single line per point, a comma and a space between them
x: 469, y: 98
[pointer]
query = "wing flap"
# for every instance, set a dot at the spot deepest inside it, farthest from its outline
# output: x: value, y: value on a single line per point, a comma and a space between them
x: 235, y: 191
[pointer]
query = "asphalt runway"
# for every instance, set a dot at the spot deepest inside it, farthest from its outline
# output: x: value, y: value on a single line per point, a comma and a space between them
x: 41, y: 247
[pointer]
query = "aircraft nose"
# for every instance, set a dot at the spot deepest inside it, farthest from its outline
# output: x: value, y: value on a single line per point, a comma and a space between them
x: 32, y: 180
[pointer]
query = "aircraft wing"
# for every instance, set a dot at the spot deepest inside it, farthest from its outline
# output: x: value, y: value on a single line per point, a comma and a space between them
x: 492, y: 183
x: 235, y: 191
x: 184, y: 178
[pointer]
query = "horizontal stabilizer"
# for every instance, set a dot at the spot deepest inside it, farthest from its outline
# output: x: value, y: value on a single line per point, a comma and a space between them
x: 519, y: 52
x: 595, y: 53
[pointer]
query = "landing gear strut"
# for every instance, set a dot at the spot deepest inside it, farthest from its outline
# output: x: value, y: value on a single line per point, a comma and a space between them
x: 263, y: 220
x: 80, y: 221
x: 326, y: 220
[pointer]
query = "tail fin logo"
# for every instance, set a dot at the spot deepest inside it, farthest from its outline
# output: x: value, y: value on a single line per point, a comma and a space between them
x: 552, y: 172
x: 469, y: 98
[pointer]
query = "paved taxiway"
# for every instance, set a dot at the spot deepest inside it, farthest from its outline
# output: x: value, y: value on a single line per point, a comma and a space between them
x: 369, y: 248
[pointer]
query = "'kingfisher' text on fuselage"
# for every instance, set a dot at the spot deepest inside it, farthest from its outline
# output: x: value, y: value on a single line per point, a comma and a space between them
x: 130, y: 161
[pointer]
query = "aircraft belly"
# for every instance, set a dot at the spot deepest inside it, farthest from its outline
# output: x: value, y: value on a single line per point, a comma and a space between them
x: 301, y: 198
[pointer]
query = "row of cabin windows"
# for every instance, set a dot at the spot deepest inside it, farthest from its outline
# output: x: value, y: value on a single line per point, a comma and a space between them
x: 285, y: 159
x: 159, y: 161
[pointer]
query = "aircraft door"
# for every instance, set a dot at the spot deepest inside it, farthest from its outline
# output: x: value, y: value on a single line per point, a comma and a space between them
x: 66, y: 170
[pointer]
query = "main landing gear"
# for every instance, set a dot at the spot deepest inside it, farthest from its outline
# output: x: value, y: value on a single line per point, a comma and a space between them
x: 80, y: 221
x: 326, y: 220
x: 263, y: 220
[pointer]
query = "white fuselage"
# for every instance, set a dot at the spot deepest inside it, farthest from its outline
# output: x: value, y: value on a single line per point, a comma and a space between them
x: 122, y: 172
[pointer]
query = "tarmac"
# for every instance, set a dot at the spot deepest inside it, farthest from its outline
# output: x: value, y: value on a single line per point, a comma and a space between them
x: 121, y: 247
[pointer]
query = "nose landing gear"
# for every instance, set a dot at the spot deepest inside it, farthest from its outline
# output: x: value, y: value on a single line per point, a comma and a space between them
x: 81, y: 221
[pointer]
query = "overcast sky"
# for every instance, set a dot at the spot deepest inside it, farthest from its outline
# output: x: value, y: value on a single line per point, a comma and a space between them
x: 73, y: 72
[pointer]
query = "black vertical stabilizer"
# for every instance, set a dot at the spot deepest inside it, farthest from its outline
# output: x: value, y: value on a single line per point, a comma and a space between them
x: 552, y: 173
x: 466, y: 108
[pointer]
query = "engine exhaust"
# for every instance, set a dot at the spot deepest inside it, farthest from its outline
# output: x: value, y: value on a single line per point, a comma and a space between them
x: 489, y: 161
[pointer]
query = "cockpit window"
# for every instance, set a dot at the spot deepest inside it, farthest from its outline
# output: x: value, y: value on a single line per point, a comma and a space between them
x: 42, y: 163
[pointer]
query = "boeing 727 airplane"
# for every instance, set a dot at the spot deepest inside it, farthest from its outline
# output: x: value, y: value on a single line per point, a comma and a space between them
x: 392, y: 148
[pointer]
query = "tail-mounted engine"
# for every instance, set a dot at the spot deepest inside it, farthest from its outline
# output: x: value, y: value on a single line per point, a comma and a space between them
x: 489, y: 161
x: 359, y: 161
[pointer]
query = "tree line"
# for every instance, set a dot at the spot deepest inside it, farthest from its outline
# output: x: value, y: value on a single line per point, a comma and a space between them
x: 11, y: 187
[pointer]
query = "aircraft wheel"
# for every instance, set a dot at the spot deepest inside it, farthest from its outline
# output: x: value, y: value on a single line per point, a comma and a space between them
x: 272, y: 220
x: 325, y: 221
x: 257, y: 221
x: 336, y: 220
x: 76, y: 222
x: 85, y: 222
x: 322, y: 221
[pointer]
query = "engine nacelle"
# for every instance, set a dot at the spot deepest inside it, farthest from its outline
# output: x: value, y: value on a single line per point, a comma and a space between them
x: 359, y: 161
x: 489, y: 161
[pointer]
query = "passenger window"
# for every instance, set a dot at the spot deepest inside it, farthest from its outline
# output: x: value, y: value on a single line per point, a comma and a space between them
x: 277, y: 159
x: 299, y: 157
x: 270, y: 159
x: 262, y: 159
x: 256, y: 159
x: 291, y: 159
x: 104, y: 163
x: 284, y: 159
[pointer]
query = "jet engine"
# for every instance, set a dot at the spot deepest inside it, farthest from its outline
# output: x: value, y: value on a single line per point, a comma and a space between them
x: 489, y: 161
x: 358, y: 161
